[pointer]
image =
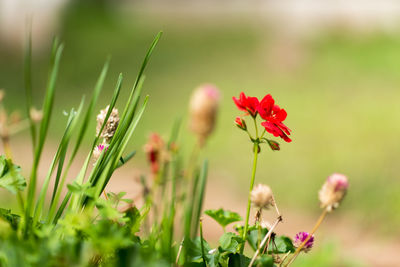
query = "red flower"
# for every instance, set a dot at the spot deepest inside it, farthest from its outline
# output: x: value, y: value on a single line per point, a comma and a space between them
x: 247, y: 103
x: 273, y: 116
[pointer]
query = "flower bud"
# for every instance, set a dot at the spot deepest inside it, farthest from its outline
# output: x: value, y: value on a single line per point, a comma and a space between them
x: 261, y: 196
x: 240, y: 123
x: 111, y: 125
x: 203, y: 111
x: 300, y: 238
x: 36, y: 115
x: 333, y: 191
x: 155, y: 149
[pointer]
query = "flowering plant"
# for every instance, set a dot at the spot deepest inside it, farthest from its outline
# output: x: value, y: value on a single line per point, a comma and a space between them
x: 74, y: 225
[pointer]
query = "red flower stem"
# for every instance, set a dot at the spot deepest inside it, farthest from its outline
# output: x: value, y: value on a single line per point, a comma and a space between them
x: 317, y: 224
x: 253, y: 176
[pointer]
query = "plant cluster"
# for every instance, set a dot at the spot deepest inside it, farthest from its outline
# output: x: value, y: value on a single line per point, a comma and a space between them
x: 88, y: 226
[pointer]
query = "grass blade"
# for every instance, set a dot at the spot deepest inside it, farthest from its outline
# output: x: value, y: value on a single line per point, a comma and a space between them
x: 47, y: 111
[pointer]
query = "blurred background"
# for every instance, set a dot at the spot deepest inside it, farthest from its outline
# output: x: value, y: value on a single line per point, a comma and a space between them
x: 333, y: 65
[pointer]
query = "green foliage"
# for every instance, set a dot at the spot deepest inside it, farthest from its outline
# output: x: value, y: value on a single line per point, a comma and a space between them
x: 230, y: 242
x: 223, y: 217
x: 10, y: 176
x: 86, y: 229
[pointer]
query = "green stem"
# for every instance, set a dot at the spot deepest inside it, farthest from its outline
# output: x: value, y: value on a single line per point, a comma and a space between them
x: 253, y: 176
x: 202, y: 244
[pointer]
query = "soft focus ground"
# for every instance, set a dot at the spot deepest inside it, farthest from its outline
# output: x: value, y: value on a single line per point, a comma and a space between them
x: 340, y: 89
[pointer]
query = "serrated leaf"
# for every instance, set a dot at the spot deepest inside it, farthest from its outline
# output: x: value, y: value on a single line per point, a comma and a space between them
x: 223, y: 217
x: 10, y: 176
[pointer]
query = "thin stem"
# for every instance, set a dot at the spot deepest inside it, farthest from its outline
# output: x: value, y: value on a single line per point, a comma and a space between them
x: 7, y: 146
x: 317, y: 224
x: 276, y: 206
x: 284, y: 258
x: 179, y: 252
x: 279, y: 219
x: 202, y: 243
x: 262, y: 135
x: 255, y: 126
x: 253, y: 176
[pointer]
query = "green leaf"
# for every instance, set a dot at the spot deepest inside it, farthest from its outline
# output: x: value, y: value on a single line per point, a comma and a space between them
x: 10, y: 176
x: 253, y: 236
x: 223, y: 217
x: 265, y: 261
x: 213, y: 258
x: 238, y: 260
x: 230, y: 242
x: 13, y: 219
x: 281, y: 244
x: 193, y: 248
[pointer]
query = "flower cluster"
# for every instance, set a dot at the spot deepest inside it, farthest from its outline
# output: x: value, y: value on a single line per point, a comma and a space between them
x: 271, y: 113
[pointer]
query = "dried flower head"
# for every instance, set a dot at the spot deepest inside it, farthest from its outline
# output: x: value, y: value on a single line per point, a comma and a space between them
x: 111, y: 125
x: 261, y: 196
x: 36, y: 115
x: 203, y: 111
x: 98, y: 150
x: 300, y: 238
x: 155, y: 150
x: 333, y: 191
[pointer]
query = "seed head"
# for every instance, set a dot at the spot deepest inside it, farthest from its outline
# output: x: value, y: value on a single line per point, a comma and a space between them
x: 111, y: 125
x: 300, y: 238
x: 261, y: 196
x: 333, y: 191
x: 203, y: 111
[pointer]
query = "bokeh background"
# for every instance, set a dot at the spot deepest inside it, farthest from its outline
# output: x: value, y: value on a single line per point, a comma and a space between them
x: 333, y: 65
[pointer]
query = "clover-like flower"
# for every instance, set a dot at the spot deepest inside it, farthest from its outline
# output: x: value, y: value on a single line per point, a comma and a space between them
x: 203, y: 111
x: 333, y: 191
x: 261, y: 196
x: 111, y: 125
x: 98, y: 150
x: 300, y: 238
